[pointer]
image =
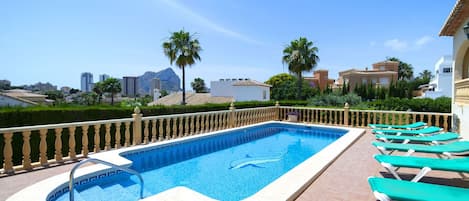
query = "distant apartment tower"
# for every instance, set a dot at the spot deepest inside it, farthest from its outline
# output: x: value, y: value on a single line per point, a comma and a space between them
x: 155, y: 84
x: 129, y: 86
x: 103, y: 77
x: 87, y: 82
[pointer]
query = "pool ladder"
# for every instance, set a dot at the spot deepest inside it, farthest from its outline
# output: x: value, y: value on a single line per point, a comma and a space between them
x: 71, y: 184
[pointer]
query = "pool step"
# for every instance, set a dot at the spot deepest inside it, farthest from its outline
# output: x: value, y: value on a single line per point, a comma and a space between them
x: 66, y: 197
x: 94, y: 193
x: 134, y: 189
x: 118, y: 192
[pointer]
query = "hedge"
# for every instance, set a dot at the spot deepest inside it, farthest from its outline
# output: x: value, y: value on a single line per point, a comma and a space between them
x: 17, y: 116
x: 442, y: 104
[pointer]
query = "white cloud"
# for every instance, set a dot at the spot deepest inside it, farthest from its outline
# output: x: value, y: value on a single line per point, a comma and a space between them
x: 423, y: 40
x: 396, y: 44
x: 197, y: 18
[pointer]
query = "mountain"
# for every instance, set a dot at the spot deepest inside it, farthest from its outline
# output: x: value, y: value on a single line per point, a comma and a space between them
x: 169, y: 81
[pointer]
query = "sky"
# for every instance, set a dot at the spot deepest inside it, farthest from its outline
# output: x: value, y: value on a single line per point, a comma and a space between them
x: 55, y: 41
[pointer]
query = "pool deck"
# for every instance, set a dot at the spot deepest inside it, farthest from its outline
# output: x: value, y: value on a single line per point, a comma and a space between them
x: 345, y: 179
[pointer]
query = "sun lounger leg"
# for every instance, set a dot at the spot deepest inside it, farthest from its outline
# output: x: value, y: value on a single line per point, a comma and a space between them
x: 410, y: 152
x: 447, y: 154
x: 421, y: 174
x: 391, y: 169
x: 464, y: 177
x: 381, y: 196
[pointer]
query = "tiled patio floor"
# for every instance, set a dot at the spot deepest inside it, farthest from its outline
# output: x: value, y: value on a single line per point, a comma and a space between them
x: 344, y: 180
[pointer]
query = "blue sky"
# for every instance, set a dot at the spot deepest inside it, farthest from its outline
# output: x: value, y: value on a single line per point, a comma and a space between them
x: 55, y: 41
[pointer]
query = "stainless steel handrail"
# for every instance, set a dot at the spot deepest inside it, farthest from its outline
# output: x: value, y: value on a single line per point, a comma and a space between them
x: 71, y: 183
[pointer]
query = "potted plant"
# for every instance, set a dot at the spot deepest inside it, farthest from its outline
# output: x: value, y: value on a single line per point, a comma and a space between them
x: 292, y: 116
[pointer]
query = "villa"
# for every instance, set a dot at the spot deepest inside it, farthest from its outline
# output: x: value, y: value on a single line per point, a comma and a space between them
x: 383, y: 73
x: 441, y: 84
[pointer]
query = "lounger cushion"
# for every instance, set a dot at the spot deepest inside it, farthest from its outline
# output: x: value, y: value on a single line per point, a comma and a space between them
x: 456, y: 164
x: 406, y: 126
x: 454, y: 147
x: 405, y: 190
x: 439, y: 137
x: 427, y: 130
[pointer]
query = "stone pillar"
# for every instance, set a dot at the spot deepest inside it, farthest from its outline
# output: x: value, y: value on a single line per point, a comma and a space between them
x: 346, y: 110
x: 137, y: 130
x: 232, y: 115
x: 277, y: 111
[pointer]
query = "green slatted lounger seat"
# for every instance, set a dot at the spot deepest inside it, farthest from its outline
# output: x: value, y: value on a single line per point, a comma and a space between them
x: 450, y: 149
x: 432, y: 139
x: 392, y: 163
x: 424, y: 131
x: 391, y: 189
x: 411, y: 126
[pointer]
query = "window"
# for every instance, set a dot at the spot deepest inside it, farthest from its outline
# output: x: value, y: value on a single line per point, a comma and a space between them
x: 382, y: 68
x: 264, y: 94
x: 384, y: 81
x: 447, y: 70
x: 364, y: 81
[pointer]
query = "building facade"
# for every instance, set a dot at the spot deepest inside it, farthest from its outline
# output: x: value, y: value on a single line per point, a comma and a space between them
x: 87, y: 82
x: 382, y: 74
x: 129, y: 86
x: 442, y: 83
x: 320, y: 79
x: 454, y: 27
x: 103, y: 77
x: 240, y: 89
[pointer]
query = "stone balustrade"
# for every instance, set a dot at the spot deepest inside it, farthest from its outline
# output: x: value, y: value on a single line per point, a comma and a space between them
x: 29, y: 147
x: 361, y: 118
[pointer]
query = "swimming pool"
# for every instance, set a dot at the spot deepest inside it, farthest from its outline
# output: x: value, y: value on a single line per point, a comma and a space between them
x: 229, y: 165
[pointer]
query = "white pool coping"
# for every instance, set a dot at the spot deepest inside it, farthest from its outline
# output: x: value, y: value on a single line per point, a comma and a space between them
x: 286, y: 187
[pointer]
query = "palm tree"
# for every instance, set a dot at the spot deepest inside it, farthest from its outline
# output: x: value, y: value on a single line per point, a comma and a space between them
x: 426, y: 75
x: 300, y: 56
x: 405, y: 71
x: 113, y: 86
x: 198, y: 85
x: 183, y: 49
x: 99, y: 89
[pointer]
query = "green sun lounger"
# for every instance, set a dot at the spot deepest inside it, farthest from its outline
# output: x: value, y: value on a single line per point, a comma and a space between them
x: 432, y: 139
x: 391, y: 189
x: 454, y: 148
x: 411, y: 126
x: 392, y: 163
x: 423, y: 131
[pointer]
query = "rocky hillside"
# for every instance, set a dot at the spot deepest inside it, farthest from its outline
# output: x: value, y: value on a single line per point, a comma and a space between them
x: 169, y: 80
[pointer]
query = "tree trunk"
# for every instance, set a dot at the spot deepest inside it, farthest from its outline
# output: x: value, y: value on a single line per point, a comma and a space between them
x: 183, y: 86
x: 112, y: 98
x: 300, y: 83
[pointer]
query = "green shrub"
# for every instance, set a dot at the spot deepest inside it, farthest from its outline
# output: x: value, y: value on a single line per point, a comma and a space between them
x: 442, y: 104
x: 334, y: 99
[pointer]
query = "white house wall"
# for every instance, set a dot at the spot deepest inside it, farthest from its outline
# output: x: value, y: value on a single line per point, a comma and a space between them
x: 221, y: 88
x: 249, y: 93
x: 460, y: 111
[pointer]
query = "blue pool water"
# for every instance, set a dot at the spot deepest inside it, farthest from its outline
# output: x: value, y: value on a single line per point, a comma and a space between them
x: 230, y: 166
